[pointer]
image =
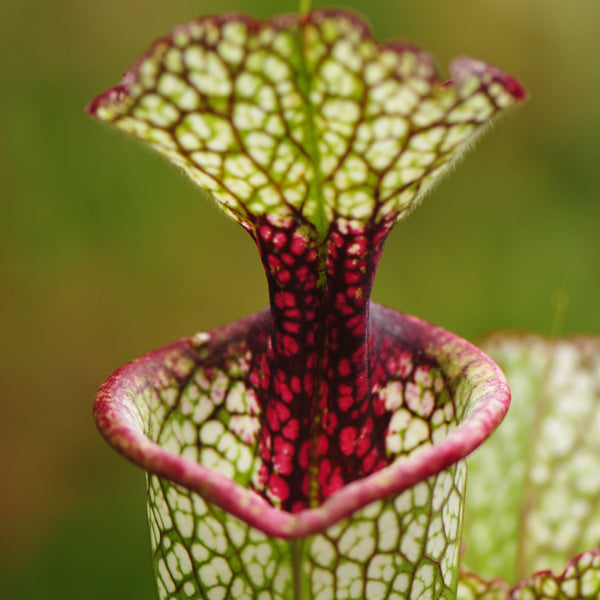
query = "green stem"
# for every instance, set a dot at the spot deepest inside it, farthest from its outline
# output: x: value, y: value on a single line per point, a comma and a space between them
x: 296, y: 551
x: 560, y: 302
x: 312, y: 146
x: 304, y: 7
x: 530, y: 493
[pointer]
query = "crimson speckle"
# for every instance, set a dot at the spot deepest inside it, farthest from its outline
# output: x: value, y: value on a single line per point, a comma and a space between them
x: 288, y: 299
x: 293, y: 314
x: 279, y: 239
x: 283, y: 412
x: 284, y: 276
x: 304, y: 455
x: 344, y: 368
x: 324, y: 471
x: 286, y: 393
x: 278, y: 486
x: 265, y: 233
x: 295, y: 384
x: 282, y: 464
x: 273, y: 418
x: 335, y: 482
x: 345, y: 402
x: 369, y: 460
x: 299, y: 505
x: 378, y: 407
x: 273, y: 262
x: 322, y: 445
x: 302, y: 274
x: 291, y: 429
x: 308, y: 384
x: 347, y: 440
x: 298, y: 245
x: 363, y: 444
x: 290, y: 345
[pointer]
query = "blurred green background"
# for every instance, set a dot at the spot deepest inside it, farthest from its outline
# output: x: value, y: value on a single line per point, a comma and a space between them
x: 107, y: 252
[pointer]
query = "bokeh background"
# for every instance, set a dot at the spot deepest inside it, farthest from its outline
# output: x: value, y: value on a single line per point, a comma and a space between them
x: 106, y: 252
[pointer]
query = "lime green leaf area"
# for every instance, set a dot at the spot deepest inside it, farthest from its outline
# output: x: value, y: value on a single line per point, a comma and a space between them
x: 304, y: 117
x: 534, y: 488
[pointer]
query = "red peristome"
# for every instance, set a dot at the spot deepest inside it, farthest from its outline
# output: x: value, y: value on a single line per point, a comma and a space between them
x: 401, y: 334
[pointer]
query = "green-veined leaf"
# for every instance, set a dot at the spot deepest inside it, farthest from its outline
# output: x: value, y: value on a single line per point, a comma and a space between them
x: 534, y: 487
x: 304, y: 422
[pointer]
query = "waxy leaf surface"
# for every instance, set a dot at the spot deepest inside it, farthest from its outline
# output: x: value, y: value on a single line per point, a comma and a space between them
x: 473, y: 587
x: 277, y: 446
x: 580, y: 581
x: 534, y: 487
x: 190, y: 415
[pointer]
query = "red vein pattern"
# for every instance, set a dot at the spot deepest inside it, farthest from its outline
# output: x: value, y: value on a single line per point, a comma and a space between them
x: 191, y: 415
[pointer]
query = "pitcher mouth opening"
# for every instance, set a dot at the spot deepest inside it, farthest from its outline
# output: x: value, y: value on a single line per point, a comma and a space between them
x: 151, y: 411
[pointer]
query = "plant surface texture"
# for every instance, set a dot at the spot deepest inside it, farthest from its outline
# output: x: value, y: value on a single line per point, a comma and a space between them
x: 314, y: 449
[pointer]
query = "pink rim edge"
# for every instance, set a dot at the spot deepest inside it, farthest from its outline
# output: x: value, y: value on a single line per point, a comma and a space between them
x: 118, y: 425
